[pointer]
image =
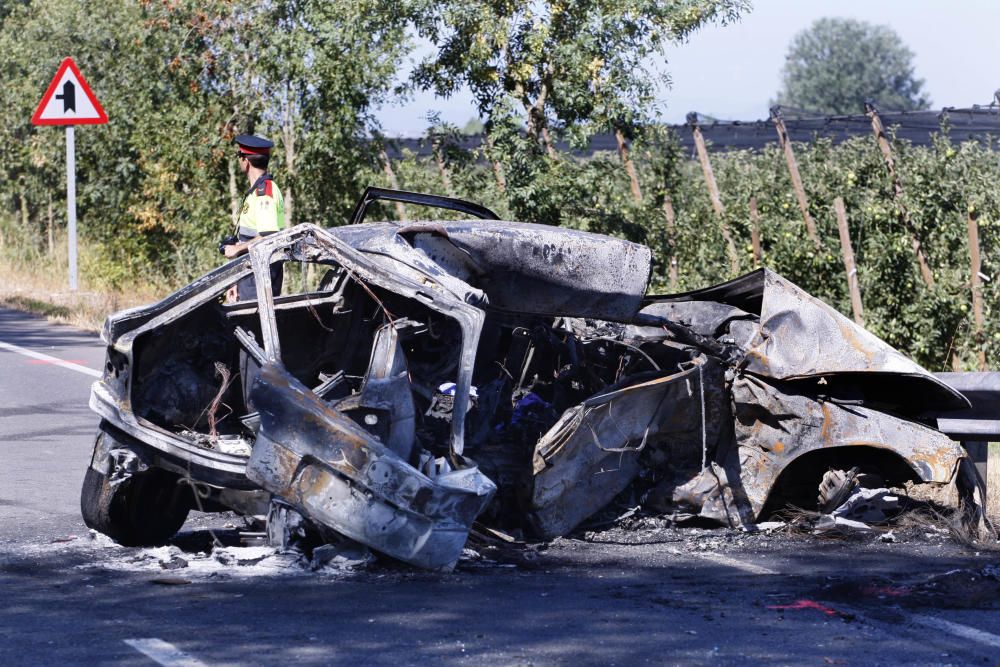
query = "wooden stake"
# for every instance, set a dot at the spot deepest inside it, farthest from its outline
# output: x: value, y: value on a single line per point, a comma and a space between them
x: 442, y: 167
x: 849, y: 266
x: 793, y: 171
x: 24, y: 209
x: 713, y: 192
x: 633, y: 177
x: 497, y: 168
x: 393, y: 183
x: 755, y: 232
x: 668, y: 212
x: 897, y: 187
x: 977, y: 290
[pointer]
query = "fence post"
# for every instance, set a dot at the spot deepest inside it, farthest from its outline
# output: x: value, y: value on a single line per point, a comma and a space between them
x: 668, y: 212
x: 897, y: 188
x: 977, y: 290
x: 713, y: 192
x: 393, y: 183
x: 849, y: 266
x: 442, y: 167
x: 633, y: 177
x: 755, y: 232
x: 497, y: 169
x: 793, y: 171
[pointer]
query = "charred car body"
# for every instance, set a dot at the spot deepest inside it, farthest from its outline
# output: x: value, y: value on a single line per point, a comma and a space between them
x: 414, y: 378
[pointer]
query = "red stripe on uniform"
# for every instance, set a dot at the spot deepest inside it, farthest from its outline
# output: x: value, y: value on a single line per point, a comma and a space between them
x: 267, y: 189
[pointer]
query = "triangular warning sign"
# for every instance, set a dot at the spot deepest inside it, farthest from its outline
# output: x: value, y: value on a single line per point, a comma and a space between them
x: 69, y: 100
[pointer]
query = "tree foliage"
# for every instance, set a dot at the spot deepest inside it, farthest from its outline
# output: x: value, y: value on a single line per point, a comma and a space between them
x: 544, y: 70
x: 944, y: 184
x: 179, y: 78
x: 836, y: 65
x: 579, y: 65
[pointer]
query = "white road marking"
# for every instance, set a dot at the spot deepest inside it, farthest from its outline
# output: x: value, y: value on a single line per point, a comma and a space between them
x: 17, y: 349
x: 957, y: 629
x: 722, y: 559
x: 164, y: 653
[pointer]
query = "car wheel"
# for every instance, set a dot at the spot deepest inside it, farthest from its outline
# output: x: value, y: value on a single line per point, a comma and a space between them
x: 144, y: 510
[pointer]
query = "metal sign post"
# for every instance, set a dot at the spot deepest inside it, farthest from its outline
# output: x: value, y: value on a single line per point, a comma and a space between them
x: 70, y: 102
x: 71, y: 202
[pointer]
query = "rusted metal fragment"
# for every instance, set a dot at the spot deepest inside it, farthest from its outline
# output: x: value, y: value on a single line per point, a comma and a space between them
x: 592, y: 452
x: 972, y: 499
x: 340, y: 476
x: 386, y: 398
x: 711, y: 495
x: 799, y: 336
x: 775, y: 426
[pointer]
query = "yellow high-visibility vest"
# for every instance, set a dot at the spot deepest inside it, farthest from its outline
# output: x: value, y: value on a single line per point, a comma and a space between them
x: 263, y: 211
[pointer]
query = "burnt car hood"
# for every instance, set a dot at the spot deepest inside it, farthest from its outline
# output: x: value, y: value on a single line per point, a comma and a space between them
x: 784, y: 333
x: 517, y: 266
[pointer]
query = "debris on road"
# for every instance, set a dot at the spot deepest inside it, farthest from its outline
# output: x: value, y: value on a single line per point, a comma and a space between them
x: 810, y: 604
x: 959, y: 588
x: 410, y: 379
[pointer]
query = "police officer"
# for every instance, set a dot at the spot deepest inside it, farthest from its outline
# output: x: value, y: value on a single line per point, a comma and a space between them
x: 263, y: 209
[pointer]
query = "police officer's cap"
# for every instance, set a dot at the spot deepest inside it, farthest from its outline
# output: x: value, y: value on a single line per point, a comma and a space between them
x: 254, y: 145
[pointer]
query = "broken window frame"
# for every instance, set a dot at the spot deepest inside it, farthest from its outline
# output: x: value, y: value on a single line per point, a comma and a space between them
x: 363, y: 270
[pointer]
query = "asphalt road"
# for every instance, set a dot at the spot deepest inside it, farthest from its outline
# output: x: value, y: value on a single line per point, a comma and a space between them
x: 689, y: 596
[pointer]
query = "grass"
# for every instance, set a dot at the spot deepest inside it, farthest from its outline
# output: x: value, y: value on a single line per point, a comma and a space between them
x: 30, y: 305
x: 41, y: 287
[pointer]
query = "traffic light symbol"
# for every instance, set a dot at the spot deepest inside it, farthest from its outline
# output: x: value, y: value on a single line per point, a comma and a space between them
x: 68, y: 96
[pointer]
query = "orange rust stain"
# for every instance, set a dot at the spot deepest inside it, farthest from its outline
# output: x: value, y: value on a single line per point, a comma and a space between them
x: 824, y: 434
x: 850, y: 336
x: 761, y: 358
x: 779, y: 447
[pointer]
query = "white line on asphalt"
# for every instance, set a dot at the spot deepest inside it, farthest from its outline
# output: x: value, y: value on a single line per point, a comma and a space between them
x: 957, y: 629
x: 722, y: 559
x: 50, y: 359
x: 164, y: 653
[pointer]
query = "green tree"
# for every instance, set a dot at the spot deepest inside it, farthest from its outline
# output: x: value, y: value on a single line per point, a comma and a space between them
x: 574, y: 68
x: 325, y: 70
x: 179, y: 78
x: 571, y: 64
x: 836, y: 64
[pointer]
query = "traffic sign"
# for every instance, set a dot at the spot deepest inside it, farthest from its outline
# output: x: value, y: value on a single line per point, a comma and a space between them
x: 69, y: 100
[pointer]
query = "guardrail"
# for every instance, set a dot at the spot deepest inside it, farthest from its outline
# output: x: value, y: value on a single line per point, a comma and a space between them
x: 976, y: 427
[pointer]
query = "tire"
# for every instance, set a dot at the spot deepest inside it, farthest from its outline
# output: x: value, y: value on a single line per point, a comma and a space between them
x: 146, y: 509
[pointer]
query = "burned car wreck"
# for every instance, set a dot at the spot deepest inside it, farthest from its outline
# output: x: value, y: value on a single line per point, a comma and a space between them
x: 411, y: 379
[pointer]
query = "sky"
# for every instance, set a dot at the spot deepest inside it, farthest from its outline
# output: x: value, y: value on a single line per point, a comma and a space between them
x: 732, y: 72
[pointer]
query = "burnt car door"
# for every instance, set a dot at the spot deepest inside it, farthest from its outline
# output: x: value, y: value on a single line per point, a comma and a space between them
x: 343, y: 361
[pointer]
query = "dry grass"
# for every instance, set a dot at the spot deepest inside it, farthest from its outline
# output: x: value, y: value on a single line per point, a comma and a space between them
x: 43, y: 289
